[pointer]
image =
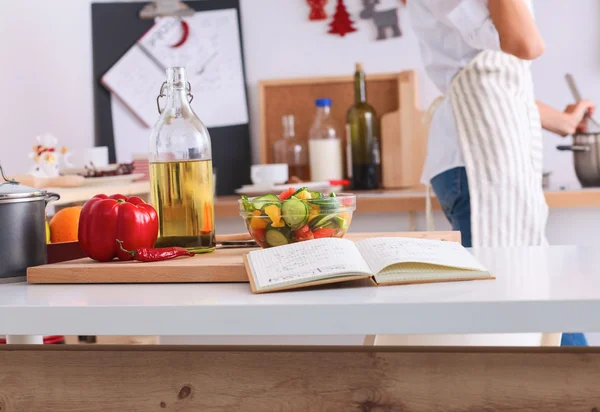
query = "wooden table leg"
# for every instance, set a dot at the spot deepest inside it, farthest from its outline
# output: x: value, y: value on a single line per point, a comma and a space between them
x: 412, y: 221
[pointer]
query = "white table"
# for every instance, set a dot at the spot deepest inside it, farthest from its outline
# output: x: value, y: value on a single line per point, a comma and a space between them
x: 537, y: 290
x: 554, y: 289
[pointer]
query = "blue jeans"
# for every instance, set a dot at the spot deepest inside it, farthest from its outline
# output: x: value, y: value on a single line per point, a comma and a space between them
x: 452, y: 190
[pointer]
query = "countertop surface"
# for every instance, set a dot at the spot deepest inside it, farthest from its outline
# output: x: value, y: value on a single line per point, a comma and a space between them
x: 554, y: 289
x: 379, y: 201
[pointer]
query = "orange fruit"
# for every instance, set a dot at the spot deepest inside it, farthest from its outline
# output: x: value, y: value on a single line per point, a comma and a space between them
x: 64, y: 225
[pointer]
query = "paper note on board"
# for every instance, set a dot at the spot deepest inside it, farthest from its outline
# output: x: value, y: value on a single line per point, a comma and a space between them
x: 212, y: 55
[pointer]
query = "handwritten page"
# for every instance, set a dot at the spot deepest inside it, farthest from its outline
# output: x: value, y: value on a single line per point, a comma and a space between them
x: 305, y: 262
x: 212, y: 55
x: 380, y: 253
x: 135, y: 80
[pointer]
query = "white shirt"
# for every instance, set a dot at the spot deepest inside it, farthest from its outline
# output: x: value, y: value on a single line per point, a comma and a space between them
x: 451, y: 33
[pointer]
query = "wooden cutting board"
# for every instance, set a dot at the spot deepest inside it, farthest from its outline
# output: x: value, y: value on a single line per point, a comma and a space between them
x: 224, y: 265
x: 404, y: 138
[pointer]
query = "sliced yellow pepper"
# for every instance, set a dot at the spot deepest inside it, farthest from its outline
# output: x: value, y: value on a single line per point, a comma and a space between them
x: 313, y: 212
x: 305, y: 195
x: 274, y: 214
x: 258, y: 222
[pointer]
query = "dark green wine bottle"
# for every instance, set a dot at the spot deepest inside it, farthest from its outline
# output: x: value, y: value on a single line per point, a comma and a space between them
x: 362, y: 128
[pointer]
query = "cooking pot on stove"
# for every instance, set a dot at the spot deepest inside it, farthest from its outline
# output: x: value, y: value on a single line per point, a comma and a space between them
x: 586, y: 156
x: 22, y: 226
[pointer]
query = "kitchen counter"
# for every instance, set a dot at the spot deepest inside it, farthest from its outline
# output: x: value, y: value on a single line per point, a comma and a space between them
x: 413, y: 200
x: 381, y: 201
x: 536, y: 290
x: 83, y: 193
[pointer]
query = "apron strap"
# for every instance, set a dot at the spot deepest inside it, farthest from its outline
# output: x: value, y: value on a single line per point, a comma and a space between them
x: 426, y: 119
x: 429, y: 210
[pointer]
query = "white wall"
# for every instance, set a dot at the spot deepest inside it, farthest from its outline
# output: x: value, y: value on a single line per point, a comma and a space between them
x: 45, y: 64
x: 572, y: 38
x: 292, y: 46
x: 46, y: 73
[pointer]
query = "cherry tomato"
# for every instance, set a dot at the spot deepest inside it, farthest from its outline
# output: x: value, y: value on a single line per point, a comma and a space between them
x: 286, y: 194
x: 347, y: 201
x: 258, y: 235
x: 322, y: 233
x: 304, y: 233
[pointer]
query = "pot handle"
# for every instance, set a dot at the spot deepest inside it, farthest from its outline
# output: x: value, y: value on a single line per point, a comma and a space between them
x: 574, y: 148
x: 52, y: 197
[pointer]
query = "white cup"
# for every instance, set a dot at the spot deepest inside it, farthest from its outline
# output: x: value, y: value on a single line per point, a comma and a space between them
x: 98, y: 156
x: 274, y: 174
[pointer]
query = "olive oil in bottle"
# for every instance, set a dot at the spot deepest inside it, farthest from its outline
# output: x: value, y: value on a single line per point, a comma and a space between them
x: 181, y: 172
x: 183, y: 194
x: 362, y: 128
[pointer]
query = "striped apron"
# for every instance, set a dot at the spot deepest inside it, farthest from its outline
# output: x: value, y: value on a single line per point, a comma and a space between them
x: 500, y: 136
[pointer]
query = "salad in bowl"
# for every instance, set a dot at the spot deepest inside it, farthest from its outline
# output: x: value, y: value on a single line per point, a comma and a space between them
x: 296, y: 216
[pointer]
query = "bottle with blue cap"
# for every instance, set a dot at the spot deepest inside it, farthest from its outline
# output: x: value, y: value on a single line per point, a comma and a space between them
x: 325, y: 145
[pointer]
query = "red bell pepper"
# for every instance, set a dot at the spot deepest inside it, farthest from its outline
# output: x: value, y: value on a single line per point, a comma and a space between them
x: 105, y: 219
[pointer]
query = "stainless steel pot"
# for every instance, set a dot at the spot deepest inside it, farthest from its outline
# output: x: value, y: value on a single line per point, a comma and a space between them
x: 586, y: 156
x: 22, y: 227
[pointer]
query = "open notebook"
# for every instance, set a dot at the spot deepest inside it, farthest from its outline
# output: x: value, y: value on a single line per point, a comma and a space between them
x: 388, y: 261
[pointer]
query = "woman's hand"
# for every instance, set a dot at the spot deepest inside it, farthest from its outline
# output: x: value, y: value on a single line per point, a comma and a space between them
x: 575, y: 117
x: 570, y: 121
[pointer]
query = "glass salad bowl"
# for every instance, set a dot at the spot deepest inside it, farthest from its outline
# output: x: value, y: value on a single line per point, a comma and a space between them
x: 296, y: 216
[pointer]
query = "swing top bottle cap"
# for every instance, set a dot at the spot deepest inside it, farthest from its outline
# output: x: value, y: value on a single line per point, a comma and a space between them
x: 176, y: 76
x: 359, y: 67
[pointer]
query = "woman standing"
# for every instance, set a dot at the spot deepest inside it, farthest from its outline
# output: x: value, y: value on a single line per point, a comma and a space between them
x: 484, y: 158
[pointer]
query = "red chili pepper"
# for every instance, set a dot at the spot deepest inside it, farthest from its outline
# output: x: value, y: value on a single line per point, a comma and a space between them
x: 150, y: 254
x: 322, y: 233
x: 339, y: 182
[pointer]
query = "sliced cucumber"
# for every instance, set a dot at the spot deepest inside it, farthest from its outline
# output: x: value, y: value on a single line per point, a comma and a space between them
x: 295, y: 213
x: 316, y: 195
x: 326, y: 204
x: 276, y: 236
x: 262, y: 201
x: 302, y: 189
x: 247, y: 205
x: 340, y: 222
x: 322, y: 221
x: 329, y: 225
